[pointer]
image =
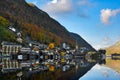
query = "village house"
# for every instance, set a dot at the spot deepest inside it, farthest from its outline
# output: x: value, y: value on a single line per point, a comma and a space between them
x: 9, y: 48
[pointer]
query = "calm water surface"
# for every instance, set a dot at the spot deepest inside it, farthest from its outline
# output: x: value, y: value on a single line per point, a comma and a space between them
x: 74, y: 67
x: 109, y: 71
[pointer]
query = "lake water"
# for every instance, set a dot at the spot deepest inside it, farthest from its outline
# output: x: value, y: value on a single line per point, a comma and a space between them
x: 64, y: 68
x: 109, y: 71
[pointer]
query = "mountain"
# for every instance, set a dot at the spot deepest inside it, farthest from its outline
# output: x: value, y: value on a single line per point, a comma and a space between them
x: 81, y: 41
x: 35, y: 23
x: 114, y: 48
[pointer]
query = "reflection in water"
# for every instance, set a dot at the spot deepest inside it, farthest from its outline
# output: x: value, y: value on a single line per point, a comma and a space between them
x: 52, y: 65
x: 57, y: 65
x: 108, y: 71
x: 100, y: 72
x: 114, y: 64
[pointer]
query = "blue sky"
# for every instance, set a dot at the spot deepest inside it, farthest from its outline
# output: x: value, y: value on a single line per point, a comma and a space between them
x: 97, y: 21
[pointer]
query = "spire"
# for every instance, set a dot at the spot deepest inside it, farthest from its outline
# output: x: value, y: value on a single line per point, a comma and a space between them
x: 76, y: 45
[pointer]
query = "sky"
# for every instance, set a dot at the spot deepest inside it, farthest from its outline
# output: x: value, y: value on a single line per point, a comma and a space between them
x: 96, y: 21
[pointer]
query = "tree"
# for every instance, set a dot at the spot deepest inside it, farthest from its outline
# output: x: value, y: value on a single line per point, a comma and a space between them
x: 6, y: 35
x: 51, y: 45
x: 3, y: 21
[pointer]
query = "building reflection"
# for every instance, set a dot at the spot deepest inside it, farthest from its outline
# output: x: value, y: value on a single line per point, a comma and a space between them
x: 36, y: 63
x: 10, y: 65
x: 48, y: 65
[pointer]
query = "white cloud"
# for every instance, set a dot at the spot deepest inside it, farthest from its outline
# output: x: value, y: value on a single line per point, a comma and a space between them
x: 106, y: 14
x: 104, y: 43
x: 84, y: 3
x: 84, y: 6
x: 54, y: 1
x: 83, y: 15
x: 58, y: 6
x: 106, y: 40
